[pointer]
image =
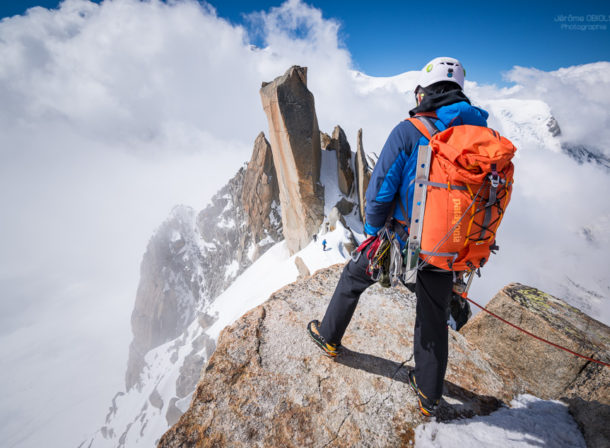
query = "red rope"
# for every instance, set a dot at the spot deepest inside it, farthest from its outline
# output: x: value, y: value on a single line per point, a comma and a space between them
x: 534, y: 336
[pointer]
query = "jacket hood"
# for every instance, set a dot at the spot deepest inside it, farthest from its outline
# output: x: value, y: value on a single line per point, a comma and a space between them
x: 432, y: 101
x: 462, y: 113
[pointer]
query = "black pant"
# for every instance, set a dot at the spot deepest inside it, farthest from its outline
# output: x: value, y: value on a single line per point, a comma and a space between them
x: 430, y: 345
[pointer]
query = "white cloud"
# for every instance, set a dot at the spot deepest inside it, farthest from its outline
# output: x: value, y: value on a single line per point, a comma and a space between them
x: 578, y: 96
x: 113, y: 113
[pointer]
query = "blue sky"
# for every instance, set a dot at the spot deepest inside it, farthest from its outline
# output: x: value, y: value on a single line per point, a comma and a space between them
x: 488, y: 37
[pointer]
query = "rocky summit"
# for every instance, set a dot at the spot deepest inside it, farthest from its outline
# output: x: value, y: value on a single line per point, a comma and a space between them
x: 267, y: 384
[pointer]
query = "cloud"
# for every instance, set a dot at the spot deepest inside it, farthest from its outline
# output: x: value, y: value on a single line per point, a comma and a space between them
x: 113, y: 113
x: 578, y: 97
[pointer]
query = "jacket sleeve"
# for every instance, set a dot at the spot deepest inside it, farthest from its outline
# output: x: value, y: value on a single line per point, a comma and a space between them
x: 388, y: 175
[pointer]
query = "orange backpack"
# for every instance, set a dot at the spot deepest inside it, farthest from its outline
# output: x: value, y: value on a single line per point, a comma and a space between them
x: 462, y: 187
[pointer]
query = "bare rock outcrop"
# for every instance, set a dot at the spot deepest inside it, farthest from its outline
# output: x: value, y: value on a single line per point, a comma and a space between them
x: 171, y: 285
x: 592, y: 418
x: 531, y: 366
x: 345, y: 174
x: 324, y: 140
x: 243, y: 220
x: 256, y: 392
x: 344, y: 206
x: 260, y: 192
x: 295, y: 143
x: 541, y: 369
x: 363, y: 175
x: 333, y: 217
x: 302, y: 267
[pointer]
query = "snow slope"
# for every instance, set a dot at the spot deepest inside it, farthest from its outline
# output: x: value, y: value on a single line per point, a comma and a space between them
x: 275, y: 269
x: 529, y: 422
x: 137, y: 418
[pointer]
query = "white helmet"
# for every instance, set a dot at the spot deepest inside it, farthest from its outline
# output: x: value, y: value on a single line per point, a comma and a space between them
x: 442, y: 69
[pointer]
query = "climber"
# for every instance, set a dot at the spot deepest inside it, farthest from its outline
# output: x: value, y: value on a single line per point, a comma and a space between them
x: 323, y: 244
x: 438, y: 95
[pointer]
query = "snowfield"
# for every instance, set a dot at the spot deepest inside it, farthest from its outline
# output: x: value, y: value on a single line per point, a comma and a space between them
x: 528, y: 422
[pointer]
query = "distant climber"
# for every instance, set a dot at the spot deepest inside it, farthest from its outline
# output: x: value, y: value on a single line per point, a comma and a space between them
x: 315, y: 237
x: 323, y: 244
x: 440, y: 104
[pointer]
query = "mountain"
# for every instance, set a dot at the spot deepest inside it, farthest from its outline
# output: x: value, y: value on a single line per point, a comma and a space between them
x: 583, y: 154
x: 190, y: 260
x: 196, y: 260
x: 194, y: 257
x: 203, y: 270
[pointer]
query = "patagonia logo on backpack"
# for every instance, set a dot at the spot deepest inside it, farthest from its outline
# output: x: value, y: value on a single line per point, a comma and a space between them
x: 462, y: 187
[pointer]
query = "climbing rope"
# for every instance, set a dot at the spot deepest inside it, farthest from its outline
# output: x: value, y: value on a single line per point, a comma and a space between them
x: 533, y: 335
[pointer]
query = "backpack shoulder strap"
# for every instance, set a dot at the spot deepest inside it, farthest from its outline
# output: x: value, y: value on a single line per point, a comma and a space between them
x: 424, y: 125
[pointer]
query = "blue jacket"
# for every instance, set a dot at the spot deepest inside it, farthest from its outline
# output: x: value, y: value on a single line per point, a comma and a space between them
x: 395, y: 169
